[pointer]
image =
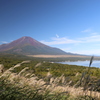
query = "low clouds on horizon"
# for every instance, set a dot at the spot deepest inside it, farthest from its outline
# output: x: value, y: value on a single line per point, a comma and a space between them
x: 85, y: 43
x: 65, y: 40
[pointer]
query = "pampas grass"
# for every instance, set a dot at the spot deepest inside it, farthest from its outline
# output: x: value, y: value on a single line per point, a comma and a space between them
x: 18, y: 87
x: 27, y: 86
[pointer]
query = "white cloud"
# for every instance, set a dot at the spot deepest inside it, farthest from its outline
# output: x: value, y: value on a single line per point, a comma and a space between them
x: 88, y: 52
x: 4, y: 42
x: 57, y: 35
x: 11, y: 40
x: 95, y: 33
x: 66, y: 49
x: 90, y: 39
x: 62, y: 40
x: 89, y: 45
x: 93, y: 38
x: 87, y: 30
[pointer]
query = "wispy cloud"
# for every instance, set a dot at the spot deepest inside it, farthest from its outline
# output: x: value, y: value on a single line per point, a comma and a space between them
x: 57, y: 35
x: 93, y: 38
x: 11, y: 40
x: 4, y: 42
x: 66, y: 49
x: 89, y: 44
x: 87, y: 30
x: 95, y: 33
x: 62, y: 40
x: 88, y: 52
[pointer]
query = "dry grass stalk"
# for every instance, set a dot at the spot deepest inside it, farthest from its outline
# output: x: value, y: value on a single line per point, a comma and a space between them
x: 23, y: 70
x: 1, y: 68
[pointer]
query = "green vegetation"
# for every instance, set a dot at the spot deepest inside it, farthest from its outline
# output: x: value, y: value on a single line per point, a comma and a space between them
x: 35, y: 79
x: 10, y: 91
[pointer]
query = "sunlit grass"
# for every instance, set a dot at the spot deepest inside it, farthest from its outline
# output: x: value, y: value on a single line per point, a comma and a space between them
x: 26, y: 85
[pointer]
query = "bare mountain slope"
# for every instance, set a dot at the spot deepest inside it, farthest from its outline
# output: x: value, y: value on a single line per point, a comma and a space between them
x: 29, y: 46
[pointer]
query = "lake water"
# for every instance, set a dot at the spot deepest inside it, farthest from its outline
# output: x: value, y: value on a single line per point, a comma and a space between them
x: 95, y: 63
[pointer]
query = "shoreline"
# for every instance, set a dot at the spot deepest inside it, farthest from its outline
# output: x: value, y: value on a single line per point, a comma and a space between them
x: 57, y: 56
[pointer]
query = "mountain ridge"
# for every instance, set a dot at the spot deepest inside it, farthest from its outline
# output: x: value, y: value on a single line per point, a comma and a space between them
x: 29, y: 46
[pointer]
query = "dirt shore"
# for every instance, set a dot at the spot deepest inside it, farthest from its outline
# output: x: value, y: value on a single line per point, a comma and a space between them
x: 56, y: 56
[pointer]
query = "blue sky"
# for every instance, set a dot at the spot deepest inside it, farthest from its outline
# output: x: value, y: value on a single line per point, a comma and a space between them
x: 71, y: 25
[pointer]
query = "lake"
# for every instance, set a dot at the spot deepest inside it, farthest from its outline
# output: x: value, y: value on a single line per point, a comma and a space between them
x: 95, y: 63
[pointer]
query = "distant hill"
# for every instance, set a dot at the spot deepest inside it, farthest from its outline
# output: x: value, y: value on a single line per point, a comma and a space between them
x: 29, y: 46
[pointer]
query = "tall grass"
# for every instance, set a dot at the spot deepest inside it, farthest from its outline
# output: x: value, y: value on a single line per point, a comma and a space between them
x: 18, y: 87
x: 27, y: 86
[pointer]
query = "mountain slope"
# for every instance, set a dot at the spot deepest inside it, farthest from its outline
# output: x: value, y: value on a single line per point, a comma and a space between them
x: 29, y: 46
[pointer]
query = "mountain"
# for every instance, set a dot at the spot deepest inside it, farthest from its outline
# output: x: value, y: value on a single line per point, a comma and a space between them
x: 29, y: 46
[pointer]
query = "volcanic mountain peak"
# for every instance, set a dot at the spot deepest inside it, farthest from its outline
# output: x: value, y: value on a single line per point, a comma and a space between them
x: 30, y: 41
x: 27, y: 45
x: 25, y: 39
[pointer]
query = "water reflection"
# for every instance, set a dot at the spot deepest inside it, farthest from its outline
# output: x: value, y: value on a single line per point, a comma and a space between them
x: 95, y: 63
